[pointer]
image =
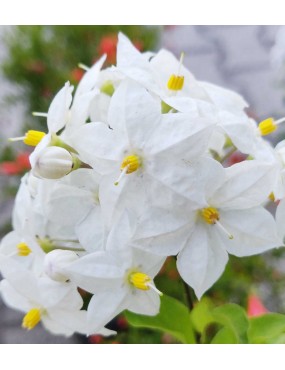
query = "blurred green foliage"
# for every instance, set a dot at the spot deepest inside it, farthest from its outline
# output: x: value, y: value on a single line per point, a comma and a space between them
x: 42, y: 58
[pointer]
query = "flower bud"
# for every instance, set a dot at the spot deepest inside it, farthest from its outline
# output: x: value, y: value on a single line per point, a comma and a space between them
x: 53, y: 163
x: 56, y: 261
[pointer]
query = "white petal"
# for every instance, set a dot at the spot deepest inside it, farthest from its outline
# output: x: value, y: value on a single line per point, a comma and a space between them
x: 225, y: 99
x: 122, y: 232
x: 97, y: 271
x: 134, y: 111
x: 13, y: 298
x: 247, y: 184
x: 90, y: 230
x: 254, y: 231
x: 144, y: 302
x: 89, y: 80
x: 99, y: 146
x: 202, y: 261
x: 147, y: 263
x: 133, y: 64
x: 103, y: 307
x: 58, y: 110
x: 178, y: 131
x: 193, y: 180
x: 68, y: 205
x: 79, y: 111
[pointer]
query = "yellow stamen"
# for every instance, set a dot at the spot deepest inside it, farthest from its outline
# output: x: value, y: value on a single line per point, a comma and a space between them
x: 130, y: 164
x: 33, y: 137
x: 210, y: 215
x: 267, y: 126
x: 176, y: 82
x: 23, y: 249
x: 271, y: 196
x: 31, y: 319
x: 140, y: 280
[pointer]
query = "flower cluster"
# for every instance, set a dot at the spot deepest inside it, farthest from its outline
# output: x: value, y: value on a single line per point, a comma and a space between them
x: 131, y: 171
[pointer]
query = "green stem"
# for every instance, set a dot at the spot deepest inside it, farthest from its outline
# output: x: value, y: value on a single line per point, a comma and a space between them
x: 188, y: 295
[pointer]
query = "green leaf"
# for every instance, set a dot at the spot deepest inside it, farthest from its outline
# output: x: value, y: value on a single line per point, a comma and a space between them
x: 225, y: 336
x: 201, y: 315
x: 266, y: 328
x: 173, y: 318
x: 234, y: 318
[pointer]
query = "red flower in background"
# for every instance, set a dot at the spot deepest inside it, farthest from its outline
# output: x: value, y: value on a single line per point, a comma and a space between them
x: 255, y: 307
x: 20, y: 165
x: 76, y: 74
x: 108, y: 45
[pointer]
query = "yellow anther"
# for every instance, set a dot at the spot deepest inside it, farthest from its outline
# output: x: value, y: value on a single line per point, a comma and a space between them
x: 131, y: 162
x: 31, y: 319
x: 271, y: 196
x: 23, y: 249
x: 175, y: 82
x: 267, y: 126
x: 139, y: 280
x: 33, y: 137
x: 210, y: 215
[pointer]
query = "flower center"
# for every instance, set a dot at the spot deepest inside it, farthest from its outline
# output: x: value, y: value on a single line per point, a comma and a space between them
x: 23, y: 249
x: 31, y: 319
x: 141, y: 281
x: 176, y: 82
x: 212, y: 217
x: 130, y: 164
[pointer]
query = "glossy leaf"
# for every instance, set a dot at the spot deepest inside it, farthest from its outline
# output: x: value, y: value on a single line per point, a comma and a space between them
x: 173, y: 318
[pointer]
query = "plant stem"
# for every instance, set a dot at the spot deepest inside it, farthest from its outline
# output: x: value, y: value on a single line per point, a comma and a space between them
x: 189, y: 296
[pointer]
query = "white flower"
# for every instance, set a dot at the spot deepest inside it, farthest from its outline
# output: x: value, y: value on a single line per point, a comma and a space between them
x: 143, y: 145
x: 229, y: 219
x: 120, y: 277
x: 55, y: 304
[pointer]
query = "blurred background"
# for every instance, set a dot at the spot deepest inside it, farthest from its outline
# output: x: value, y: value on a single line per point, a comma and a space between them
x: 35, y: 62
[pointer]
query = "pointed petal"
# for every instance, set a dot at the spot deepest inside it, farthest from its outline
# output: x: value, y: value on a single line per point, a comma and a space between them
x: 254, y: 231
x: 103, y: 307
x: 97, y: 271
x: 247, y: 185
x: 99, y: 146
x: 144, y: 302
x: 134, y: 111
x: 90, y: 78
x: 58, y: 110
x: 202, y: 261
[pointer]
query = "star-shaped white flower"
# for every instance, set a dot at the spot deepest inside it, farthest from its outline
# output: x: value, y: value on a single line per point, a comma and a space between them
x: 121, y: 277
x: 229, y: 219
x: 142, y: 145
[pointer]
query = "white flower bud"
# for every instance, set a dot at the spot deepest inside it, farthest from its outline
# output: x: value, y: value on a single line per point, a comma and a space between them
x: 53, y: 163
x: 56, y: 261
